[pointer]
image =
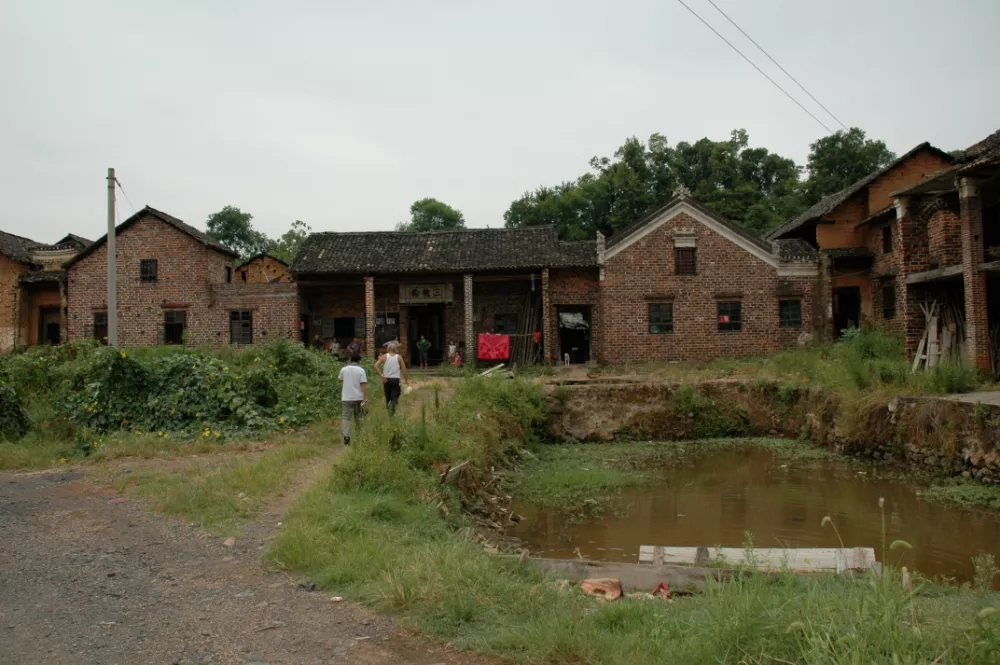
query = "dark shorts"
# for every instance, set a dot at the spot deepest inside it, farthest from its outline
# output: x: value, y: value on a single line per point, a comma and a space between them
x: 423, y: 357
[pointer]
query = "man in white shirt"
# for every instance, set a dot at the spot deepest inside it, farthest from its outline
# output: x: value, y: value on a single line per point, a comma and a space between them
x: 353, y: 395
x: 391, y: 367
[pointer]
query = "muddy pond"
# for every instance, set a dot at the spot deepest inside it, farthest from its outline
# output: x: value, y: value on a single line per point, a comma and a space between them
x: 714, y: 500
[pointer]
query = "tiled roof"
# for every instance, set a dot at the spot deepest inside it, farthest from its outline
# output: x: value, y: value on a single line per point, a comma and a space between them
x: 473, y: 250
x: 200, y: 236
x: 40, y: 276
x: 988, y: 147
x: 829, y: 203
x: 794, y: 250
x: 16, y: 247
x: 626, y: 231
x: 261, y: 256
x: 80, y: 241
x: 848, y: 253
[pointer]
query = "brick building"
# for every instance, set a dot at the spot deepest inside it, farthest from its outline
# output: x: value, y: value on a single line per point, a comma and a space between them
x: 263, y: 269
x: 32, y: 293
x: 680, y: 284
x: 175, y: 286
x: 924, y: 229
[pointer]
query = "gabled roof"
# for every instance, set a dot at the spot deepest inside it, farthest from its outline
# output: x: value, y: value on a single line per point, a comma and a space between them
x: 199, y: 236
x: 75, y: 239
x: 263, y: 255
x: 15, y: 247
x: 466, y: 250
x: 976, y: 155
x: 829, y: 203
x: 794, y: 250
x: 988, y: 147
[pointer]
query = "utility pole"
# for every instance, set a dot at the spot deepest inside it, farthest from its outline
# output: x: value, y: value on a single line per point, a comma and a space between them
x: 112, y: 264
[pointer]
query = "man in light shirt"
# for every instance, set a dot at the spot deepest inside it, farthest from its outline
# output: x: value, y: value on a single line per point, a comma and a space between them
x: 353, y: 395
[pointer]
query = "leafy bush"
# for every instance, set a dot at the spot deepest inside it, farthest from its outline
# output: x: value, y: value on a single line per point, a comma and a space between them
x: 952, y: 377
x: 13, y: 419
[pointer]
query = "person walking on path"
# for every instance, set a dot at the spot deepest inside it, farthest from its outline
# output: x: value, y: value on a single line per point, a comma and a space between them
x: 423, y: 346
x: 353, y: 395
x: 354, y: 348
x: 391, y: 367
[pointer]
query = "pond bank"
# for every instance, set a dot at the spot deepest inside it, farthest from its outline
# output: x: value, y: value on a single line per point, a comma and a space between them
x: 936, y: 434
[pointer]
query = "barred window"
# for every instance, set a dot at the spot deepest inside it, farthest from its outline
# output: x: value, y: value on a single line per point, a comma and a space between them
x: 685, y: 262
x: 241, y: 327
x: 730, y: 313
x: 148, y: 270
x: 661, y: 318
x: 505, y: 324
x: 790, y: 313
x: 174, y: 324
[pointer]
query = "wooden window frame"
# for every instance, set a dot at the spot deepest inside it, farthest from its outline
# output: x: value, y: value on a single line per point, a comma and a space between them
x: 660, y: 318
x: 100, y: 328
x: 241, y: 326
x: 889, y: 303
x: 732, y: 310
x: 501, y: 321
x: 786, y: 320
x: 172, y: 335
x: 149, y: 271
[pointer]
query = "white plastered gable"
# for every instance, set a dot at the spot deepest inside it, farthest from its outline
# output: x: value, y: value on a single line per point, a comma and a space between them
x: 682, y: 238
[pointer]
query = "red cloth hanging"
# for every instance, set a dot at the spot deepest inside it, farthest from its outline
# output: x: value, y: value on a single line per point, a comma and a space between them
x: 494, y: 347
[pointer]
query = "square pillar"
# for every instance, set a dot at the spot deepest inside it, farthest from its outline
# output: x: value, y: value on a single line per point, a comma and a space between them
x: 977, y: 331
x: 470, y: 338
x: 370, y: 316
x: 63, y: 331
x: 547, y: 344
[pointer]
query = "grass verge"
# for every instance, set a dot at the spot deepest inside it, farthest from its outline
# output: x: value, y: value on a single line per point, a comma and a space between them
x: 381, y: 529
x: 222, y: 496
x: 965, y: 495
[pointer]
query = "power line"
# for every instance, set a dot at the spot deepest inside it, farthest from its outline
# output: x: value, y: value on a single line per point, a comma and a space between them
x: 763, y: 73
x: 811, y: 96
x: 122, y: 189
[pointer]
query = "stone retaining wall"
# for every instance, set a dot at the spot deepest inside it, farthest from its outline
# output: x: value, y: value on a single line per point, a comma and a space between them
x: 931, y: 433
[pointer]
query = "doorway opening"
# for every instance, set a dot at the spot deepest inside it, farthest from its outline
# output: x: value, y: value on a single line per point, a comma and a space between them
x: 49, y: 329
x: 846, y: 309
x: 428, y: 321
x: 574, y: 333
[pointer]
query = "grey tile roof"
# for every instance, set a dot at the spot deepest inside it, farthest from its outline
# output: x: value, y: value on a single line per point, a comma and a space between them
x: 626, y: 231
x: 794, y: 250
x: 829, y: 203
x: 467, y: 250
x: 988, y: 147
x: 41, y: 276
x: 80, y: 241
x: 200, y: 236
x: 16, y: 247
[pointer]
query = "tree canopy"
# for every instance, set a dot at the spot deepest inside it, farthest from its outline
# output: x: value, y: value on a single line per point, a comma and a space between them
x: 287, y: 246
x: 432, y: 215
x: 234, y: 229
x: 837, y: 160
x: 749, y: 185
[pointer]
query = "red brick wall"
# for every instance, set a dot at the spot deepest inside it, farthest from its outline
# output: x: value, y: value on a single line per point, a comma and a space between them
x: 190, y: 277
x: 944, y: 238
x: 643, y: 273
x: 263, y: 270
x: 910, y: 172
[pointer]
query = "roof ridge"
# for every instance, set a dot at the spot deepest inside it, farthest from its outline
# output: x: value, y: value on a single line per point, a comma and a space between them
x: 436, y: 232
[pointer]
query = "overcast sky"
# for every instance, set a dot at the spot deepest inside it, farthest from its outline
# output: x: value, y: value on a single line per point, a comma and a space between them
x: 343, y: 113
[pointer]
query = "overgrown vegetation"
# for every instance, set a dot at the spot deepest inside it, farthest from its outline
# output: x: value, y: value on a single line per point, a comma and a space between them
x: 965, y: 495
x: 65, y: 401
x: 383, y: 529
x: 865, y: 360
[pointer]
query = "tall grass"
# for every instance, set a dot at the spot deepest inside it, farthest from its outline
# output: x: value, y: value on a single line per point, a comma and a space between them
x: 380, y: 528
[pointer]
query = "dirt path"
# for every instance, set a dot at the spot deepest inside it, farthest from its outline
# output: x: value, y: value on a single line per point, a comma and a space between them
x: 87, y: 576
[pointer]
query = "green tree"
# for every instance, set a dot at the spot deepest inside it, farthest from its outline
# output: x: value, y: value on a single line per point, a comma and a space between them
x: 287, y: 246
x: 432, y: 215
x: 752, y: 186
x: 234, y: 229
x: 837, y: 160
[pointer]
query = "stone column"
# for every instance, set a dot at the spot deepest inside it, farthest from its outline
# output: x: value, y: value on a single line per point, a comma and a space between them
x: 547, y: 341
x: 470, y: 338
x: 977, y: 331
x: 370, y: 316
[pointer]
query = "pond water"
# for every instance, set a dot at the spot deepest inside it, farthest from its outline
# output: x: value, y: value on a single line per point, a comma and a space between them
x: 713, y: 500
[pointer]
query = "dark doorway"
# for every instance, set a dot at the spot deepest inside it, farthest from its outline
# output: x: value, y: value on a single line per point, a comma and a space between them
x: 574, y: 333
x: 48, y: 325
x: 846, y: 309
x: 426, y: 320
x: 304, y: 326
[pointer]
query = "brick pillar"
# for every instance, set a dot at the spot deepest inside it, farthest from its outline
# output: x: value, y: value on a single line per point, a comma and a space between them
x: 547, y: 344
x: 63, y: 331
x: 977, y: 332
x: 370, y: 316
x: 470, y: 338
x: 906, y: 228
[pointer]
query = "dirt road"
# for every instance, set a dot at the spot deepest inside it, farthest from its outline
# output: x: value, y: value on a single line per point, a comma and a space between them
x: 87, y: 576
